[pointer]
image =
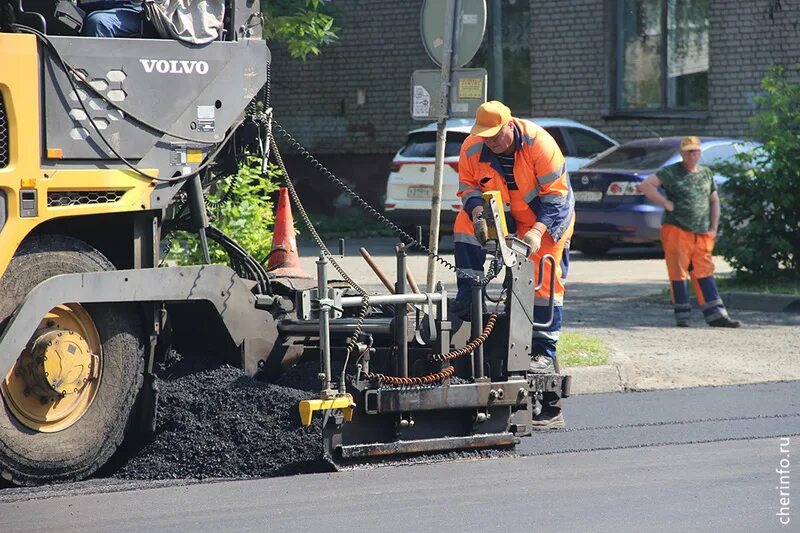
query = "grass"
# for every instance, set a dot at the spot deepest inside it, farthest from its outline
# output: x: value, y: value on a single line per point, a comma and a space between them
x: 575, y: 349
x: 788, y: 285
x: 727, y: 283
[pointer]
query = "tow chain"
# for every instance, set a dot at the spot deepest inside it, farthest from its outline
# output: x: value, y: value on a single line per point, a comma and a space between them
x: 408, y: 239
x: 352, y: 343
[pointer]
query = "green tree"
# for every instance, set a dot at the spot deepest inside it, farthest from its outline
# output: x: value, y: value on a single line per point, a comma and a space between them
x: 240, y: 205
x: 760, y: 223
x: 303, y: 25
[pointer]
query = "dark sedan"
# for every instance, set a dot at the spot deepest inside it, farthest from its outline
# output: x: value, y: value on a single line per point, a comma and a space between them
x: 611, y: 211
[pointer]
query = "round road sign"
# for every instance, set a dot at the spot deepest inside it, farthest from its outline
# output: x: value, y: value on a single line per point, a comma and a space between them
x: 470, y: 24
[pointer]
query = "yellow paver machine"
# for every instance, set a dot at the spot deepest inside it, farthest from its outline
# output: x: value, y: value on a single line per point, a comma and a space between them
x: 106, y: 143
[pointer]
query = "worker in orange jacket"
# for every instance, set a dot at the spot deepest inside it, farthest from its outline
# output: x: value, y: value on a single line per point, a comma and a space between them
x: 523, y: 162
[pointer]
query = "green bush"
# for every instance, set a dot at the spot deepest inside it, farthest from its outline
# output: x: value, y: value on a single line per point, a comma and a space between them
x: 331, y: 227
x: 760, y: 222
x: 247, y: 216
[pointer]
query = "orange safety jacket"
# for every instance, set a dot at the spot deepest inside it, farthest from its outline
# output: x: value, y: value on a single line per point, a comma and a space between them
x: 544, y: 193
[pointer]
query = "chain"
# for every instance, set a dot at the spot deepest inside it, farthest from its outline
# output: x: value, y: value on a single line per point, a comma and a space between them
x: 415, y: 380
x: 471, y: 345
x: 352, y: 344
x: 383, y: 379
x: 408, y: 239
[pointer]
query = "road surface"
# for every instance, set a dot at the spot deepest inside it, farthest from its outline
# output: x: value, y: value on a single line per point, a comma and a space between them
x: 681, y: 460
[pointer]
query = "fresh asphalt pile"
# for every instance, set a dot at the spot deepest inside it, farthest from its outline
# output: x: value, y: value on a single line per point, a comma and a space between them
x: 215, y: 422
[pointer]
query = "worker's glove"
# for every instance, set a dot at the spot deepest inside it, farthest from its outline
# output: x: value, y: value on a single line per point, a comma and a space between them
x: 481, y: 229
x: 533, y: 238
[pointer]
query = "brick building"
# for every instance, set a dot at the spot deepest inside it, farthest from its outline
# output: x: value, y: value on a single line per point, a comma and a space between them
x: 606, y: 63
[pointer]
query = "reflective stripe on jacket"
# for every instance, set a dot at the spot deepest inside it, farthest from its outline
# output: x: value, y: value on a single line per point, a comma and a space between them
x: 540, y: 171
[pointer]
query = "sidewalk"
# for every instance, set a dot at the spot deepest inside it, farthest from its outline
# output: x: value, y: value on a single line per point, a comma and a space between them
x: 607, y: 299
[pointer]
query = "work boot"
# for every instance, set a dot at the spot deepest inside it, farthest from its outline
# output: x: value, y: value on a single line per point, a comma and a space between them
x: 541, y: 364
x: 548, y: 421
x: 724, y: 322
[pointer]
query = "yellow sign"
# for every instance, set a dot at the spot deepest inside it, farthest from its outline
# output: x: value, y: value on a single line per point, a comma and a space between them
x: 194, y: 156
x: 470, y: 88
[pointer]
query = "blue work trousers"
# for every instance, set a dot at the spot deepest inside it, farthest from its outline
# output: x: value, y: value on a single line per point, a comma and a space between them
x: 113, y: 19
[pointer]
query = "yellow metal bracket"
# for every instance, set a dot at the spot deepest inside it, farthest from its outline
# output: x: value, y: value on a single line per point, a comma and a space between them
x: 488, y: 196
x: 307, y: 407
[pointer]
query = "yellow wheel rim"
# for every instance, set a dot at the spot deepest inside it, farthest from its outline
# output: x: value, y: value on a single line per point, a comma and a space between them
x: 56, y: 378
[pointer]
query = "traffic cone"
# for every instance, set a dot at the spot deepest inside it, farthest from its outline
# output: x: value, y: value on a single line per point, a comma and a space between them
x: 283, y: 260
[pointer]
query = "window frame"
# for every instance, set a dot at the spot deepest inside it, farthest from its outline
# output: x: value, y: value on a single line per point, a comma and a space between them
x: 617, y: 53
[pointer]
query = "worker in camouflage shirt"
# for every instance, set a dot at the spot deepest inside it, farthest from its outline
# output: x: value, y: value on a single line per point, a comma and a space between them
x: 688, y: 232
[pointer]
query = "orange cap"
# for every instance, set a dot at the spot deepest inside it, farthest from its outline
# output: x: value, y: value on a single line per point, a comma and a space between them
x: 490, y: 117
x: 690, y: 143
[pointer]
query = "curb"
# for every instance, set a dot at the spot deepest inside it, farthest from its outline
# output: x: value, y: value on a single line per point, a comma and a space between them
x: 754, y: 301
x: 614, y: 377
x: 594, y: 379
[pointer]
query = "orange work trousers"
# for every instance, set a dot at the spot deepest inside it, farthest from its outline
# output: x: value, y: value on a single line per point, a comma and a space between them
x: 688, y: 255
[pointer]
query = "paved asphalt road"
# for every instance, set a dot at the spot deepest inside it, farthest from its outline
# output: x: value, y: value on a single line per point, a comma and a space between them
x: 680, y: 460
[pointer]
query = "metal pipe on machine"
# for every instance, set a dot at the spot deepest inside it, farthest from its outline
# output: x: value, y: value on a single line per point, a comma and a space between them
x: 324, y: 321
x: 401, y: 312
x: 477, y: 327
x: 393, y: 299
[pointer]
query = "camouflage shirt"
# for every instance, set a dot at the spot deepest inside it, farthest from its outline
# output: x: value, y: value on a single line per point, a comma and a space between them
x: 690, y: 193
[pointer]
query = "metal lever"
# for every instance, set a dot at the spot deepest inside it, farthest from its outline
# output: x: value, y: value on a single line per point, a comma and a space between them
x: 197, y: 207
x: 551, y: 300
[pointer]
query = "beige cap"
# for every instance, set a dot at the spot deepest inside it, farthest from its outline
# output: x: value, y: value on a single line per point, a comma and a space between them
x: 690, y: 143
x: 490, y: 118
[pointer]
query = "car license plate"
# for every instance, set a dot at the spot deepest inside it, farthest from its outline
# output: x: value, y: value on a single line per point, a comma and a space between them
x: 588, y: 196
x: 419, y: 192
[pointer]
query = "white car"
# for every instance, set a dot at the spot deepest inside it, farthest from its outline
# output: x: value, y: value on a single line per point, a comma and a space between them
x: 410, y: 183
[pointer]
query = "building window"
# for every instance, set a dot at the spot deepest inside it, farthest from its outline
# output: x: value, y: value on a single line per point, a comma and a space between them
x: 505, y: 54
x: 662, y: 55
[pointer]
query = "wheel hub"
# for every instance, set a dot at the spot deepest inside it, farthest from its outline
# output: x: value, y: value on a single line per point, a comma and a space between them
x: 56, y: 377
x: 60, y: 364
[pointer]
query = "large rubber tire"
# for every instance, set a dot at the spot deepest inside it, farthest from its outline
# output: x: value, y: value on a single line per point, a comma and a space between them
x: 29, y: 457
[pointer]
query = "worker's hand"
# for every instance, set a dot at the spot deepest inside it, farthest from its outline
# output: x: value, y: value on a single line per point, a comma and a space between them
x: 533, y: 238
x: 712, y: 233
x: 669, y: 206
x: 481, y: 228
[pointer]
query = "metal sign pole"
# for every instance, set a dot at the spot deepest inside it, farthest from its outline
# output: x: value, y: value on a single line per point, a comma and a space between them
x: 453, y: 7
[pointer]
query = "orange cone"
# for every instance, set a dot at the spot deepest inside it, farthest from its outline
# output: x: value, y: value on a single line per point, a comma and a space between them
x: 283, y: 260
